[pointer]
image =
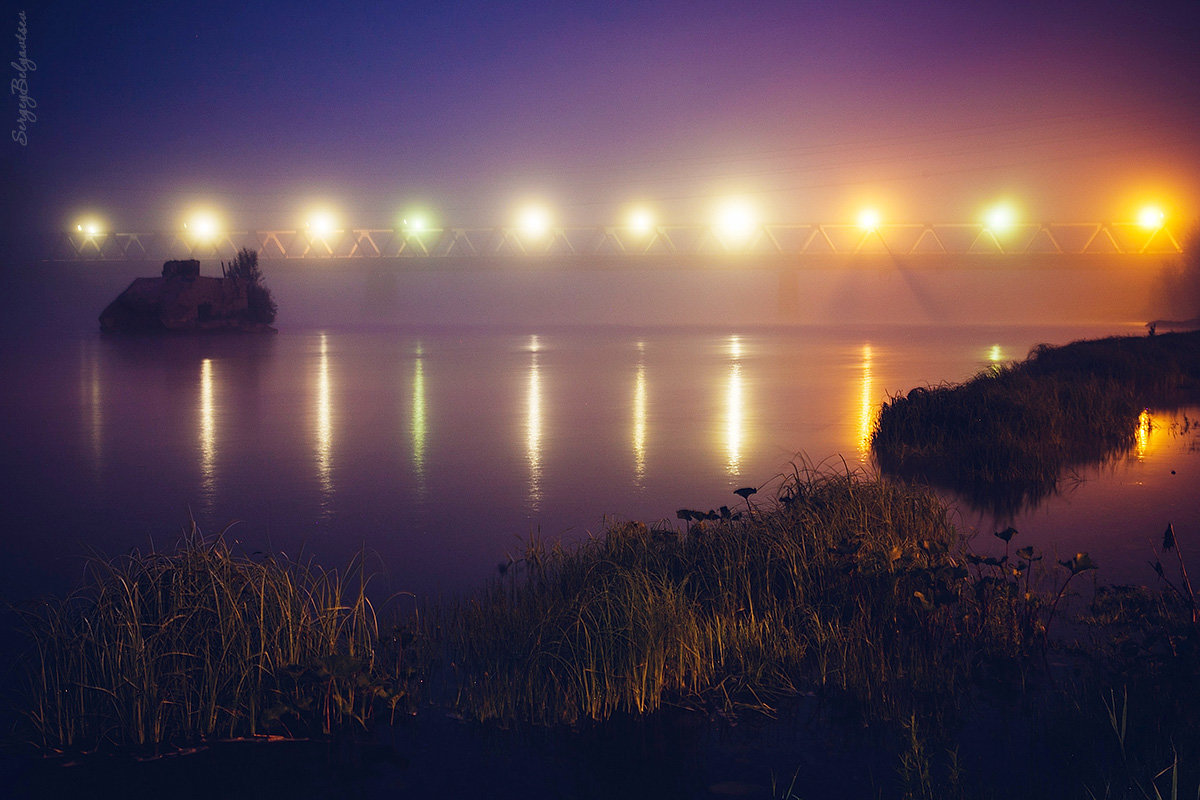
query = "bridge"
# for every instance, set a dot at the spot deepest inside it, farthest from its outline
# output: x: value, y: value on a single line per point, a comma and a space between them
x: 793, y: 244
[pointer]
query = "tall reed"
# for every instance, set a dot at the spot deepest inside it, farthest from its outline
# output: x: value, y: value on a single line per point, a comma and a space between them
x: 846, y: 583
x: 162, y: 649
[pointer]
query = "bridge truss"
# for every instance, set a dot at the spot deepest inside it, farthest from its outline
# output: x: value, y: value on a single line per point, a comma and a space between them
x: 800, y: 241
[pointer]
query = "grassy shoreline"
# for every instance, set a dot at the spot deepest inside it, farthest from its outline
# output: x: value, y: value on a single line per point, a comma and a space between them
x: 1005, y: 437
x: 850, y: 591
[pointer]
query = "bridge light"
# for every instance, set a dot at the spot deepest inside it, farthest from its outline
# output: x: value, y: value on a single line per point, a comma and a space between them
x: 1151, y: 218
x: 202, y: 227
x: 414, y: 224
x: 641, y: 221
x: 869, y: 219
x: 1000, y: 219
x: 534, y: 221
x: 88, y: 227
x: 736, y: 220
x: 321, y: 223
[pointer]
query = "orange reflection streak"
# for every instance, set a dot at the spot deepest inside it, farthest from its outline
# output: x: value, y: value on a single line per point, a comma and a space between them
x: 734, y: 410
x: 533, y: 428
x: 639, y: 418
x: 208, y: 431
x: 866, y: 411
x: 1145, y: 426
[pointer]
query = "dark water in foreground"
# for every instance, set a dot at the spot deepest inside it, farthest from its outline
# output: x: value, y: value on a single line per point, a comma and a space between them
x: 440, y: 451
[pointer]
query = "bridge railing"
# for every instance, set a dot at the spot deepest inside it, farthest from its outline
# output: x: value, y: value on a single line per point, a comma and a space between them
x: 815, y: 239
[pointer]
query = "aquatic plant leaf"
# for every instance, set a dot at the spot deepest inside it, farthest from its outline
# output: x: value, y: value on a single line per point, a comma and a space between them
x: 1082, y: 562
x: 1007, y: 534
x: 745, y: 491
x: 1169, y: 537
x: 1027, y: 553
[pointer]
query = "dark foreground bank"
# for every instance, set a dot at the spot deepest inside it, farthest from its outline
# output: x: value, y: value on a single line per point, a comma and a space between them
x: 840, y: 634
x: 1005, y: 438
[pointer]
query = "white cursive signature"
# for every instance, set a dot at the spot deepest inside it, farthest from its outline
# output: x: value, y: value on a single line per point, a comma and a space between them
x: 20, y: 85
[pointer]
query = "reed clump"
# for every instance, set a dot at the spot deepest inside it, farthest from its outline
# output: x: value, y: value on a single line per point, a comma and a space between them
x: 843, y: 584
x: 160, y: 650
x: 1005, y: 437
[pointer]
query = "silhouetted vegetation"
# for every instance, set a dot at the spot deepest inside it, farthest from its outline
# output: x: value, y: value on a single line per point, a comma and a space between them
x: 1005, y: 437
x: 244, y: 268
x: 853, y: 590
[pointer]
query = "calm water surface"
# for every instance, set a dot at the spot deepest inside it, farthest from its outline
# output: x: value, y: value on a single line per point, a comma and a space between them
x: 441, y: 451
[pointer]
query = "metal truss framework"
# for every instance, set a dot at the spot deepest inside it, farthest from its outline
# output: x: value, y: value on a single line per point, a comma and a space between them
x: 917, y: 239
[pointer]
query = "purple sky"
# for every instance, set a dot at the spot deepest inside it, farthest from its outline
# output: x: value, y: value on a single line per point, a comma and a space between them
x: 928, y: 111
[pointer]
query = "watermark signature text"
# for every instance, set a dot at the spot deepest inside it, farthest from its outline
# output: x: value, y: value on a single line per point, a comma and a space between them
x: 19, y: 85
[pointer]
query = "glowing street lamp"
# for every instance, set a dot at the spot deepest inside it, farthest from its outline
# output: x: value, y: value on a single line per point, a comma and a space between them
x: 736, y: 221
x: 202, y: 227
x: 321, y: 224
x: 534, y: 221
x: 641, y: 221
x: 1000, y: 219
x: 869, y: 220
x: 1151, y: 218
x: 89, y: 228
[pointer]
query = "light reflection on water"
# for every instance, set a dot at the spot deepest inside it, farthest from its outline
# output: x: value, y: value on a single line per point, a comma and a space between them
x: 208, y: 436
x: 868, y: 409
x: 439, y: 451
x: 323, y: 457
x: 533, y: 428
x: 639, y: 418
x: 734, y: 410
x: 419, y: 429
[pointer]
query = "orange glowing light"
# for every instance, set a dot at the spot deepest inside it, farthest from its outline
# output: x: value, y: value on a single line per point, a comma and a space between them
x: 869, y: 219
x: 1000, y: 218
x: 1151, y: 218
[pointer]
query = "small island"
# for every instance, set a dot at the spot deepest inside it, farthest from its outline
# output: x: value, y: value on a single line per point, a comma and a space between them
x: 183, y: 300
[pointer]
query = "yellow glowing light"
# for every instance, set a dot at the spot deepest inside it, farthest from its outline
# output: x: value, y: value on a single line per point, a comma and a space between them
x: 88, y: 227
x: 735, y: 410
x: 322, y: 223
x: 415, y: 224
x: 534, y: 221
x: 1000, y: 218
x: 202, y: 227
x: 869, y: 219
x: 737, y: 220
x: 641, y: 221
x: 1151, y: 218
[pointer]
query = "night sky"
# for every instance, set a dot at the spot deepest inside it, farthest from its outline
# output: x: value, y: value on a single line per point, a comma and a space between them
x: 928, y: 111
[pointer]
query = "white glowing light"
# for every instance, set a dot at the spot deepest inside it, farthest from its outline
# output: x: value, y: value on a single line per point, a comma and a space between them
x: 415, y: 224
x: 1151, y: 218
x: 737, y: 220
x: 202, y: 226
x: 321, y: 223
x: 535, y: 221
x: 869, y: 219
x: 89, y: 227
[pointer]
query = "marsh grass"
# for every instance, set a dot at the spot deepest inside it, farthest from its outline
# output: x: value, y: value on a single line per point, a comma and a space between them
x: 845, y: 585
x: 1005, y: 438
x: 160, y: 650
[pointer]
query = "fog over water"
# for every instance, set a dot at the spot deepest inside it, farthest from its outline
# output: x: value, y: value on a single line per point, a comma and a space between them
x: 440, y: 447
